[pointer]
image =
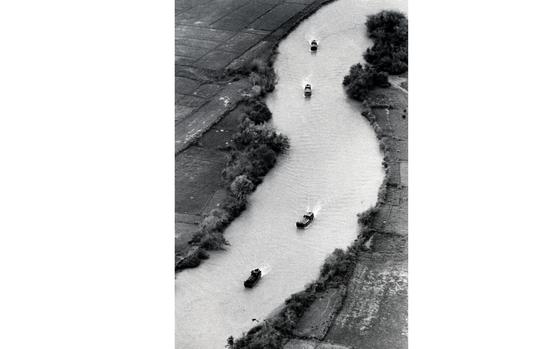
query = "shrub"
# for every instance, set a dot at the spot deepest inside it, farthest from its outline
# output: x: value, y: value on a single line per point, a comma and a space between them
x: 367, y: 218
x: 361, y: 80
x: 262, y: 74
x: 238, y: 164
x: 389, y: 30
x: 209, y: 240
x: 190, y: 259
x: 389, y: 26
x: 260, y: 337
x: 234, y: 206
x: 263, y: 159
x: 216, y: 221
x: 336, y: 266
x: 258, y: 111
x: 263, y: 134
x: 393, y: 60
x: 241, y: 186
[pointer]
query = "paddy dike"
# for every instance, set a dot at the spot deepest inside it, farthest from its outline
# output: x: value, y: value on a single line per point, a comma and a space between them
x: 214, y: 39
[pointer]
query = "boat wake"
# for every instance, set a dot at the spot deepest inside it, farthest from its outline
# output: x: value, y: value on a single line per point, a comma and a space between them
x: 265, y: 269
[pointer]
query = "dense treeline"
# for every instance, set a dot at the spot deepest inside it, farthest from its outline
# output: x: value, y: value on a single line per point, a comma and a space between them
x: 389, y: 55
x: 254, y: 152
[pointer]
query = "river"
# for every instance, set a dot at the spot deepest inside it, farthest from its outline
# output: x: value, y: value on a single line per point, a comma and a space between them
x: 333, y: 167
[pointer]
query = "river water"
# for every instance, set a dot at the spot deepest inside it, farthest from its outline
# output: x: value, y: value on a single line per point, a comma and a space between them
x: 332, y: 168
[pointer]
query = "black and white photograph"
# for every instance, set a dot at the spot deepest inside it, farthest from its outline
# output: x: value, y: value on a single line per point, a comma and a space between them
x: 279, y: 174
x: 291, y: 174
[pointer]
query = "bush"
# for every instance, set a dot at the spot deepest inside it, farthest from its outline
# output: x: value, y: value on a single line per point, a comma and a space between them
x: 241, y: 187
x: 234, y: 206
x: 389, y: 55
x: 389, y: 31
x: 262, y: 74
x: 388, y: 26
x: 256, y: 150
x: 393, y: 60
x: 253, y: 134
x: 209, y: 240
x: 258, y: 111
x: 238, y: 164
x: 263, y: 159
x: 367, y: 218
x: 216, y: 221
x: 190, y: 259
x: 362, y: 80
x: 336, y: 266
x: 260, y: 337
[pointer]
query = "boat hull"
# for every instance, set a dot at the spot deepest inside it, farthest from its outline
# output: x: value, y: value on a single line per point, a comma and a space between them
x: 251, y: 283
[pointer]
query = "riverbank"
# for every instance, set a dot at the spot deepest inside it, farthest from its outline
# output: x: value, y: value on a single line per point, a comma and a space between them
x: 360, y: 297
x: 363, y: 304
x: 216, y: 43
x: 375, y: 311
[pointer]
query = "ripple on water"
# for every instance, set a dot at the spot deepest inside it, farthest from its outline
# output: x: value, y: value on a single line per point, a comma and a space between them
x: 333, y: 168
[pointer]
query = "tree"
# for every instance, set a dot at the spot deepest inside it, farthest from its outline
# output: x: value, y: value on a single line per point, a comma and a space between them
x: 362, y: 80
x: 241, y: 186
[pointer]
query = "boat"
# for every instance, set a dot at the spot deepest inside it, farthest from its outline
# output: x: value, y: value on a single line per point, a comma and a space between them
x: 314, y: 45
x: 255, y: 276
x: 307, y: 90
x: 306, y: 220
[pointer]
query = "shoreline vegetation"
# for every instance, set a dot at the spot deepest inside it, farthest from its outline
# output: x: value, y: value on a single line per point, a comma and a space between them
x: 260, y: 73
x: 389, y: 55
x: 253, y: 153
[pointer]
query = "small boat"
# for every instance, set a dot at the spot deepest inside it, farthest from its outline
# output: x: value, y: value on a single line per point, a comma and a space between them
x: 306, y: 220
x: 307, y: 90
x: 314, y: 46
x: 253, y: 278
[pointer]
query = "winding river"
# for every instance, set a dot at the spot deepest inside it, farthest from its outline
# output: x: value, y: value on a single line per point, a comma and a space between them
x: 333, y: 168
